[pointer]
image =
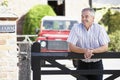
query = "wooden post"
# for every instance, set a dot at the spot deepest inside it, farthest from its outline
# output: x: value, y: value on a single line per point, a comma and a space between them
x: 36, y: 67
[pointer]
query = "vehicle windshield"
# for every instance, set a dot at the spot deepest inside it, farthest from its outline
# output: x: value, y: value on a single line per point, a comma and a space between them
x: 58, y: 24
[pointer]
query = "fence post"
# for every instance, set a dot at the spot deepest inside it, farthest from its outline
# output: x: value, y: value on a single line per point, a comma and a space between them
x: 36, y: 63
x: 36, y: 67
x: 24, y: 61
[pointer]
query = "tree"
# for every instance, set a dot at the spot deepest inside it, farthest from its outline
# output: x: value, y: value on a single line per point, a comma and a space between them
x: 111, y: 20
x: 4, y: 3
x: 34, y: 16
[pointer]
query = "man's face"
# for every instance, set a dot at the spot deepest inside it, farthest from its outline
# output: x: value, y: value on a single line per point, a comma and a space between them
x: 87, y: 19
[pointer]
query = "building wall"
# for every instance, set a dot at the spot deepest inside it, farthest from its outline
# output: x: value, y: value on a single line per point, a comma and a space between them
x: 21, y: 7
x: 73, y: 8
x: 8, y: 53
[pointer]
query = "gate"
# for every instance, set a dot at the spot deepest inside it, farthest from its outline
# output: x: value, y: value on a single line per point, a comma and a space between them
x: 52, y: 57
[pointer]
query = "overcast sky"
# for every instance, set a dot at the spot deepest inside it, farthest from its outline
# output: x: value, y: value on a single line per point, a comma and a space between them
x: 114, y: 2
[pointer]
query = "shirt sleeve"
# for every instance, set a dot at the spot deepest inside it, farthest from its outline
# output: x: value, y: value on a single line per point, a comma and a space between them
x: 103, y: 37
x: 72, y: 38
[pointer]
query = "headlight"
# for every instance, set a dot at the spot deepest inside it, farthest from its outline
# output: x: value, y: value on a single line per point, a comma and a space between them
x: 43, y: 44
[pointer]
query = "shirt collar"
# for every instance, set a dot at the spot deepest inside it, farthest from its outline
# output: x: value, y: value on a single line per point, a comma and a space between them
x: 89, y: 28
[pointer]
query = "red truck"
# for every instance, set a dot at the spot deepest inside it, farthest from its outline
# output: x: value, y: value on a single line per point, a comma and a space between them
x: 54, y: 31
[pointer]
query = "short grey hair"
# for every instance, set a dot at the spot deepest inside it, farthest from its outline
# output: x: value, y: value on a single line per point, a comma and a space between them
x: 89, y: 9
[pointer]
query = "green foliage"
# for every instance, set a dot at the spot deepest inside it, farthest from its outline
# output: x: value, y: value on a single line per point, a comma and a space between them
x: 112, y: 20
x: 34, y: 16
x: 115, y: 41
x: 4, y: 3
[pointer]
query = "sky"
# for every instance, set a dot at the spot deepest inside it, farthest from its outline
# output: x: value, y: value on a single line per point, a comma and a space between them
x: 114, y: 2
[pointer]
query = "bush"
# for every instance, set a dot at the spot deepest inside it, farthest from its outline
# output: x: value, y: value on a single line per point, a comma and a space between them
x: 114, y: 44
x: 34, y: 16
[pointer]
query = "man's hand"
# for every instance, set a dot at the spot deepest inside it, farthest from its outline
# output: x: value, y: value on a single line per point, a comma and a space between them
x: 88, y: 54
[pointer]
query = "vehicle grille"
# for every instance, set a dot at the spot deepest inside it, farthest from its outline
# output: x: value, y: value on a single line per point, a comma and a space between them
x: 57, y: 45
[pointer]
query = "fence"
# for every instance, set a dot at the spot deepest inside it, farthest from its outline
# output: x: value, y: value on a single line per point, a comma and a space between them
x: 52, y: 57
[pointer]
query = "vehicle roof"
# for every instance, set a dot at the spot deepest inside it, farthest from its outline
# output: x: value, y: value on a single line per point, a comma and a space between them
x: 58, y: 18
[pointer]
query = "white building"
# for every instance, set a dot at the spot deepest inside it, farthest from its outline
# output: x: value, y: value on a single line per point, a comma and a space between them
x: 71, y: 8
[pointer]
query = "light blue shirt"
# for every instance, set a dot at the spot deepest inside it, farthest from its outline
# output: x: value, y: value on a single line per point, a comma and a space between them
x: 95, y: 37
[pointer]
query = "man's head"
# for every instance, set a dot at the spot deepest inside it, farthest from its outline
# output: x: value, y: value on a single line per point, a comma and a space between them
x: 88, y: 15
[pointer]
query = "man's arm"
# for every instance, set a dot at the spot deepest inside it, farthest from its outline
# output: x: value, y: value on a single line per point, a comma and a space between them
x: 88, y: 53
x: 75, y: 49
x: 101, y: 49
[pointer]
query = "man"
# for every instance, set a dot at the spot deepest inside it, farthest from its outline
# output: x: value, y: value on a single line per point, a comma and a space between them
x: 88, y: 38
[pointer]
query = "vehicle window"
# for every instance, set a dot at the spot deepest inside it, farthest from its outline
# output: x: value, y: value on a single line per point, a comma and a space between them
x: 58, y: 24
x: 48, y: 24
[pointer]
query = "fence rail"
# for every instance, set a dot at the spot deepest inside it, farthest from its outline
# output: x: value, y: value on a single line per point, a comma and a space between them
x: 52, y: 57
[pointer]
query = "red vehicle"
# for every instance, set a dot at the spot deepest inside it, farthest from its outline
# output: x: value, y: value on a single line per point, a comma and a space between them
x: 54, y: 32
